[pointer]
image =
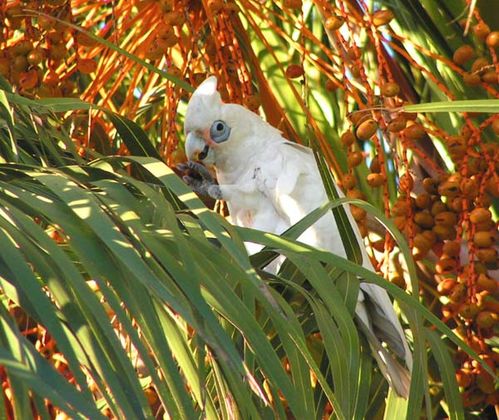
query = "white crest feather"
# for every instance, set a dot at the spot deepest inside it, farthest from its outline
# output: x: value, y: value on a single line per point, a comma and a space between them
x: 204, y: 106
x: 207, y: 88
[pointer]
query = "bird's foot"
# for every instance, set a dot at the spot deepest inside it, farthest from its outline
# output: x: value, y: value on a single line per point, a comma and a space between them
x: 200, y: 180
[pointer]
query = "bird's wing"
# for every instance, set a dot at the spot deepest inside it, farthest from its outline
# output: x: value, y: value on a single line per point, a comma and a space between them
x: 296, y: 190
x: 293, y: 174
x: 293, y: 183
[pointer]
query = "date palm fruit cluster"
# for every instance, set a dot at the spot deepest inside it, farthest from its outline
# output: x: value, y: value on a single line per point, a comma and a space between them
x: 39, y: 55
x: 446, y: 217
x: 478, y: 68
x: 450, y: 226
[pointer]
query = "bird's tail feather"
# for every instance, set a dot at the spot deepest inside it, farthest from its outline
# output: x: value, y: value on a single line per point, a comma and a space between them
x: 397, y: 376
x: 383, y: 321
x: 386, y: 327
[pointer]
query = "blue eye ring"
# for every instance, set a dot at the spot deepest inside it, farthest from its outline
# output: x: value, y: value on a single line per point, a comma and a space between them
x: 219, y: 131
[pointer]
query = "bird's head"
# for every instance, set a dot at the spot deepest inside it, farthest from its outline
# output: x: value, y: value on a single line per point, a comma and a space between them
x: 204, y: 126
x: 216, y: 131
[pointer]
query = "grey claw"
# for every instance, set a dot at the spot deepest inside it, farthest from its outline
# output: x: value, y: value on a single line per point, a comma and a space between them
x: 200, y: 169
x: 202, y: 182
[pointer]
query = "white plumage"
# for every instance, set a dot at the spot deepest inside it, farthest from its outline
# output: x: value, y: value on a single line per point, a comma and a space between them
x: 270, y: 184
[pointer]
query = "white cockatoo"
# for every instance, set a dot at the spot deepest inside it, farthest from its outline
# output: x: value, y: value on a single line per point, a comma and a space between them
x: 270, y: 183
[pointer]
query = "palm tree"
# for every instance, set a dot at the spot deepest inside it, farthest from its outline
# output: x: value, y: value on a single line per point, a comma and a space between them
x: 124, y: 296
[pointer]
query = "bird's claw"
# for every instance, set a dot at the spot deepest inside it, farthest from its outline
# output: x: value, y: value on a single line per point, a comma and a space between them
x: 201, y: 180
x: 196, y: 168
x: 182, y: 167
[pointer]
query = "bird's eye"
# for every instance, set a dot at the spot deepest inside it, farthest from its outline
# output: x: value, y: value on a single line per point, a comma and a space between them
x: 219, y: 131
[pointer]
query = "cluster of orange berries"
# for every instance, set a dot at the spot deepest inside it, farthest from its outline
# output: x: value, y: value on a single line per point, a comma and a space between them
x: 334, y: 22
x: 449, y: 221
x: 481, y: 69
x: 166, y: 35
x: 34, y: 47
x: 447, y: 218
x: 471, y: 290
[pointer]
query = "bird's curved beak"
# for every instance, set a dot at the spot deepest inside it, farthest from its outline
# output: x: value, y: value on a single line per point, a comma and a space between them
x: 195, y: 147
